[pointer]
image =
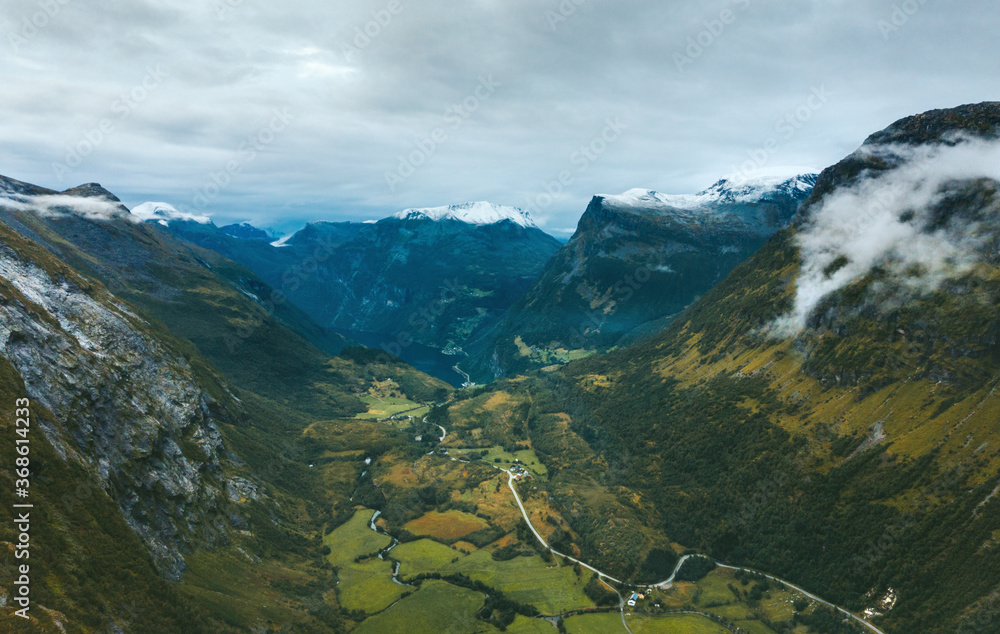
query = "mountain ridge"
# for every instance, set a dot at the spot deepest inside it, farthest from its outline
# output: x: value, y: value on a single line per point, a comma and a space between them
x: 633, y: 263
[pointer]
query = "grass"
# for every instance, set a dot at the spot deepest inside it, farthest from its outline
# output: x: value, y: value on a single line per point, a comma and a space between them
x: 674, y: 624
x: 714, y: 596
x: 369, y: 586
x: 422, y: 556
x: 354, y: 539
x: 527, y: 457
x: 611, y: 622
x: 240, y: 591
x: 437, y: 607
x: 604, y: 623
x: 380, y: 408
x: 552, y: 589
x: 546, y: 356
x: 448, y: 526
x: 524, y: 625
x: 755, y: 627
x: 714, y: 590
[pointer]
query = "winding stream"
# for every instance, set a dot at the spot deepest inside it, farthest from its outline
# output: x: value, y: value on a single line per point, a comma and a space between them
x: 382, y: 554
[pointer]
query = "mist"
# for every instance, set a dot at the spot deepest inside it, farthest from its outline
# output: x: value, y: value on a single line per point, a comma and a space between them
x: 887, y: 220
x: 56, y: 205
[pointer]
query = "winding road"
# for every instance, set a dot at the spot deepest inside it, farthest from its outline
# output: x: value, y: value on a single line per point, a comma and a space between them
x: 668, y: 582
x: 604, y: 577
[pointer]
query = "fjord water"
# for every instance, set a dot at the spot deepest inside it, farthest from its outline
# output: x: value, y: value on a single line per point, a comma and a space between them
x: 424, y: 358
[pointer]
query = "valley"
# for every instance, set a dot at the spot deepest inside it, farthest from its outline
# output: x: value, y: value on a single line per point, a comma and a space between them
x: 440, y: 550
x: 799, y: 438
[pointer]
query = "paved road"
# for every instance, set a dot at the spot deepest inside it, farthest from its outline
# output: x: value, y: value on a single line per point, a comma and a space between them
x: 662, y: 584
x: 666, y: 583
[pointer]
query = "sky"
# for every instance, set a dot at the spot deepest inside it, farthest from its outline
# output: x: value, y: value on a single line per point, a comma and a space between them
x: 283, y: 113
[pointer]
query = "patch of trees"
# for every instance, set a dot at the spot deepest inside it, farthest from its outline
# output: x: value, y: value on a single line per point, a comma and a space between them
x: 511, y: 551
x: 657, y: 566
x: 695, y: 569
x: 599, y: 593
x: 828, y: 621
x: 484, y: 536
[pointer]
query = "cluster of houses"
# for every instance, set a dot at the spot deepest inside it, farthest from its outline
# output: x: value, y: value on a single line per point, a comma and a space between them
x: 636, y: 597
x: 519, y: 472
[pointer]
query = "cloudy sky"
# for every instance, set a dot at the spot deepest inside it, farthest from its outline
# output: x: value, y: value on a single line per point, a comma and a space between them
x: 279, y: 113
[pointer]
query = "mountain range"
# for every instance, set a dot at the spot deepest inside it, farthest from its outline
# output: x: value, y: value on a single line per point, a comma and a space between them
x: 419, y: 278
x: 406, y: 283
x: 789, y: 426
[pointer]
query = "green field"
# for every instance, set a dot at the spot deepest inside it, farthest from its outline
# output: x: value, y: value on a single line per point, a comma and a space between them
x: 755, y: 627
x: 369, y: 586
x: 715, y: 597
x: 354, y: 539
x: 422, y: 556
x: 524, y: 625
x: 526, y: 456
x: 447, y: 526
x: 384, y: 407
x: 552, y: 589
x: 436, y: 608
x: 611, y: 622
x: 714, y: 589
x: 674, y: 624
x: 549, y: 356
x: 603, y: 623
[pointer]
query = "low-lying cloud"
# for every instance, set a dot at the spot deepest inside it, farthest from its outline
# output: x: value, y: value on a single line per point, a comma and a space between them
x: 56, y: 205
x: 887, y: 220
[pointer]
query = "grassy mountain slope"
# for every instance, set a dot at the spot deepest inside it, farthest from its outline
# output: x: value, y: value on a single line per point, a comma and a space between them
x: 857, y: 456
x: 262, y: 565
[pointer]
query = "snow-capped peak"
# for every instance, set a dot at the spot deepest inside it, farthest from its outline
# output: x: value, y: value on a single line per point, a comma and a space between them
x: 163, y: 213
x: 736, y: 189
x: 478, y: 213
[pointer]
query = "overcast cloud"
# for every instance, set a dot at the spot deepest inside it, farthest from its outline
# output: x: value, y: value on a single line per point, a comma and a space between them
x: 295, y: 127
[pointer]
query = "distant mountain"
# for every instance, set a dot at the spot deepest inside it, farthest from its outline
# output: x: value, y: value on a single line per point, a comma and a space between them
x: 433, y: 276
x: 246, y: 231
x: 636, y: 261
x: 479, y: 213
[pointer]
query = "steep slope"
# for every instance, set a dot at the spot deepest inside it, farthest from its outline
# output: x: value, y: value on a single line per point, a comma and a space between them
x: 170, y: 465
x: 430, y: 276
x: 828, y: 412
x: 635, y: 262
x: 123, y: 415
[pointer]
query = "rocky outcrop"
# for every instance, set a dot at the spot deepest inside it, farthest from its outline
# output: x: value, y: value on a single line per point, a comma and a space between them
x: 123, y: 405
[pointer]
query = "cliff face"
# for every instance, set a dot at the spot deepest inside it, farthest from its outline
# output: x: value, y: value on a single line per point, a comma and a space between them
x: 128, y: 408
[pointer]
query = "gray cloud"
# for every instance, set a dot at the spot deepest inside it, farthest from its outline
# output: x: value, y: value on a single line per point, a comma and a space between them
x: 356, y: 114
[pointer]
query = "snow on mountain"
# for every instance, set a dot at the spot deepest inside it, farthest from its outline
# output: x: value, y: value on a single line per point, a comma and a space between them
x: 733, y: 190
x: 282, y: 241
x: 163, y: 213
x: 478, y: 213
